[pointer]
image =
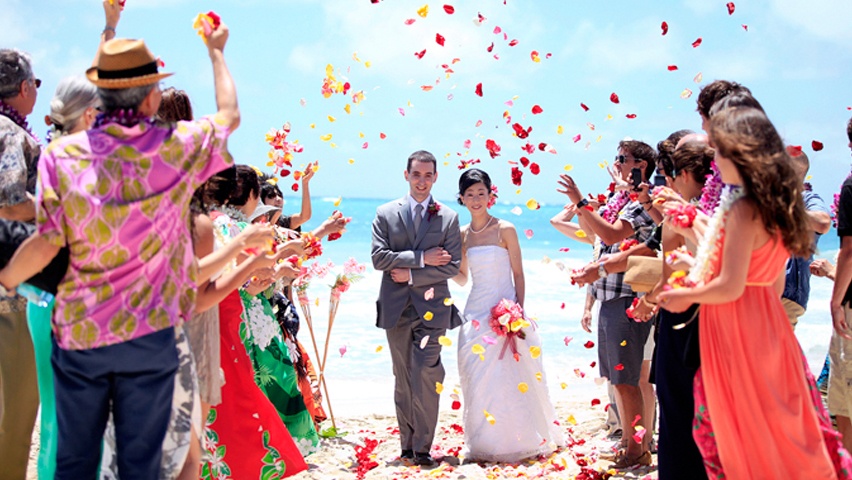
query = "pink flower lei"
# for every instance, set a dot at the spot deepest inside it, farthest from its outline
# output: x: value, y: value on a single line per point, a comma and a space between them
x: 712, y: 191
x: 614, y: 206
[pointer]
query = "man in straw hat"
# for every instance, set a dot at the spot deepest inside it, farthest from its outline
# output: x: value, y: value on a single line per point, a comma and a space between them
x: 118, y: 196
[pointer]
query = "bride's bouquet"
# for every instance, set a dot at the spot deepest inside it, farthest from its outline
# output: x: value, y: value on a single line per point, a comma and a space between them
x: 507, y: 320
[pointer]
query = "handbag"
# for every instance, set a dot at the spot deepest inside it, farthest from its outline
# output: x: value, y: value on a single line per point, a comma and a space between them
x: 643, y: 273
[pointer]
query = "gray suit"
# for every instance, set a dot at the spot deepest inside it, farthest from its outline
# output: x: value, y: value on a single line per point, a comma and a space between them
x: 402, y: 306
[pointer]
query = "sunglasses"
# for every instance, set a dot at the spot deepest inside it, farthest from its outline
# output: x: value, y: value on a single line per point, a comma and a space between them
x: 620, y: 159
x: 36, y: 82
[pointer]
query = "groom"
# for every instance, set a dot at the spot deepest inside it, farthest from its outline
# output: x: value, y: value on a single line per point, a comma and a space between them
x: 417, y: 244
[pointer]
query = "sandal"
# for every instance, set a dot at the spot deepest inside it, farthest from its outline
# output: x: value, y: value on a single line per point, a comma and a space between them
x: 623, y: 462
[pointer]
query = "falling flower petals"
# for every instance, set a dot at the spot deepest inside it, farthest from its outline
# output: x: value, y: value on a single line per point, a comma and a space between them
x: 665, y: 28
x: 731, y: 8
x: 439, y: 387
x: 423, y: 342
x: 631, y: 116
x: 342, y: 350
x: 577, y: 138
x: 429, y: 294
x: 532, y: 204
x: 580, y: 234
x: 595, y: 402
x: 478, y: 91
x: 535, y: 351
x: 560, y: 129
x: 401, y: 111
x: 585, y: 108
x: 672, y: 68
x: 696, y: 43
x: 477, y: 349
x: 409, y: 21
x: 494, y: 150
x: 439, y: 39
x: 613, y: 98
x: 619, y: 367
x: 513, y: 43
x: 567, y: 340
x: 420, y: 53
x: 497, y: 30
x: 379, y: 348
x: 589, y: 344
x: 523, y: 387
x: 423, y: 11
x: 325, y: 137
x: 448, y: 302
x: 745, y: 27
x: 535, y: 57
x: 516, y: 210
x: 536, y: 110
x: 639, y: 435
x: 428, y: 316
x: 490, y: 340
x: 529, y: 233
x: 488, y: 417
x: 449, y: 9
x: 686, y: 93
x: 445, y: 341
x: 816, y: 145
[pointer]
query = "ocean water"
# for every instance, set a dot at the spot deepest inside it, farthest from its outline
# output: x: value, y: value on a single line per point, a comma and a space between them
x: 360, y: 379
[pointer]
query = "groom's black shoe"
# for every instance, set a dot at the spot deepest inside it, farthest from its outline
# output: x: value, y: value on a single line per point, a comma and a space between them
x: 424, y: 460
x: 407, y: 455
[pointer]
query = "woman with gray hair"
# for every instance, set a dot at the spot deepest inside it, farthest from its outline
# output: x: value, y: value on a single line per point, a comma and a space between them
x: 73, y: 108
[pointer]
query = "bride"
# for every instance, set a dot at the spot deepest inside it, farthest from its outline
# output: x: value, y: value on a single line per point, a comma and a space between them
x: 507, y: 411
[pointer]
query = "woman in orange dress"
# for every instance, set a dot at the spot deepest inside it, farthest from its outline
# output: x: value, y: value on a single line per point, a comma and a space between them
x: 754, y: 382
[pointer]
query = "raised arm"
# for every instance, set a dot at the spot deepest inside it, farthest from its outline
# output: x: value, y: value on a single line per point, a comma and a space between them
x: 226, y: 92
x: 563, y: 224
x: 112, y: 14
x: 305, y: 212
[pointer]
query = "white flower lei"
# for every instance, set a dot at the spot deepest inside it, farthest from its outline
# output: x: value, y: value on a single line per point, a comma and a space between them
x: 708, y: 248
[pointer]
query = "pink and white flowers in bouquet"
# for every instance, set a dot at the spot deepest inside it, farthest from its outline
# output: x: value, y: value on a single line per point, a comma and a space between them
x: 507, y: 320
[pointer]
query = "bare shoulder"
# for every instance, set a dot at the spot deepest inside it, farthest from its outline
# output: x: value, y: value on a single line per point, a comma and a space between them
x: 506, y: 226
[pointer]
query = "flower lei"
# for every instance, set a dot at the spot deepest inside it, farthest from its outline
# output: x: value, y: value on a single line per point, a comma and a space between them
x: 432, y: 210
x: 614, y: 206
x: 708, y: 248
x: 712, y: 190
x: 12, y: 114
x: 126, y: 117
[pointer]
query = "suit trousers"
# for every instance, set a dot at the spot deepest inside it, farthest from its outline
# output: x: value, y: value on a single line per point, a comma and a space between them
x: 18, y: 394
x: 416, y: 370
x: 136, y: 380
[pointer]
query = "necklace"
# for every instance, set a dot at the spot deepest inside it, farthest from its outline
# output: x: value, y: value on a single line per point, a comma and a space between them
x: 614, y: 206
x: 12, y: 114
x: 483, y: 228
x: 709, y: 247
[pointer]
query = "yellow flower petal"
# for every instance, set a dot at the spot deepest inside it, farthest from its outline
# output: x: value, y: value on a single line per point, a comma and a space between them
x: 331, y: 119
x: 448, y: 301
x: 535, y: 352
x: 490, y: 418
x: 313, y: 125
x: 428, y: 316
x: 439, y: 387
x: 325, y: 137
x: 477, y: 349
x: 347, y: 108
x: 560, y: 129
x: 568, y: 167
x: 445, y: 341
x: 351, y: 161
x: 532, y: 204
x: 571, y: 420
x: 523, y: 387
x: 563, y: 385
x: 623, y: 343
x: 538, y: 376
x: 379, y: 348
x: 580, y: 234
x: 337, y: 202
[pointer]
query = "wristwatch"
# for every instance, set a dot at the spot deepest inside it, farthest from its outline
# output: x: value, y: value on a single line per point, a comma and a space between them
x: 602, y: 271
x: 582, y: 203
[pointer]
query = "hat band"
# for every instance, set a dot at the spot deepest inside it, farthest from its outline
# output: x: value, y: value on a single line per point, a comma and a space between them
x: 141, y: 71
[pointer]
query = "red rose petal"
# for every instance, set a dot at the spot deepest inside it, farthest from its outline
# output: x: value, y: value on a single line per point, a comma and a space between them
x: 536, y: 110
x: 816, y: 145
x: 584, y: 107
x: 593, y: 364
x: 513, y: 43
x: 516, y: 176
x: 696, y: 43
x: 794, y: 150
x: 420, y: 53
x: 439, y: 39
x: 295, y: 187
x: 493, y: 148
x: 449, y: 9
x: 589, y: 344
x: 731, y: 8
x: 535, y: 169
x: 490, y: 47
x: 595, y: 402
x: 613, y: 98
x: 382, y: 136
x: 672, y: 68
x: 478, y: 90
x: 665, y: 27
x: 619, y: 367
x: 631, y: 116
x: 745, y: 27
x: 409, y: 21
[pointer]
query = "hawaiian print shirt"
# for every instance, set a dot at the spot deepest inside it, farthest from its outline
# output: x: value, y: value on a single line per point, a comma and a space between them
x: 119, y: 198
x: 18, y: 158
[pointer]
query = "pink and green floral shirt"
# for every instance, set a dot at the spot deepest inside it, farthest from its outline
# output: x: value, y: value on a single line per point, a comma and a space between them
x: 119, y: 198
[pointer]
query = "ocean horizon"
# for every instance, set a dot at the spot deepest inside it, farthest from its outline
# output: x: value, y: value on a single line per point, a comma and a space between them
x: 358, y: 366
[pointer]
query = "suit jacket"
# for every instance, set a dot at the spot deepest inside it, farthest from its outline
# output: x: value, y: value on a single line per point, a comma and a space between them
x: 396, y: 246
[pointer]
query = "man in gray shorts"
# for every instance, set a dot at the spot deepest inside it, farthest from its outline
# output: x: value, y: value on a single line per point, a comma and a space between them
x: 621, y: 340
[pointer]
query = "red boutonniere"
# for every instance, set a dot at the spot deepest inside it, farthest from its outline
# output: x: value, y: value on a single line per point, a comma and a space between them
x: 432, y: 210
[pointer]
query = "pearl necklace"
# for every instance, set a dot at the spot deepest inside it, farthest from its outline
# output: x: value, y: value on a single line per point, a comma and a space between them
x: 481, y: 229
x: 709, y: 247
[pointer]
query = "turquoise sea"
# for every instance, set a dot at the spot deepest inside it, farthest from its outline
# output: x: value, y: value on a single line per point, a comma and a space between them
x: 360, y: 379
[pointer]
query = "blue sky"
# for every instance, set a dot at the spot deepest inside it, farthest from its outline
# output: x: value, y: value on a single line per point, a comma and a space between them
x: 795, y: 56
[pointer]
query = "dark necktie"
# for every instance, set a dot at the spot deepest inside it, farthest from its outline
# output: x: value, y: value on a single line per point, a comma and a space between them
x: 418, y: 218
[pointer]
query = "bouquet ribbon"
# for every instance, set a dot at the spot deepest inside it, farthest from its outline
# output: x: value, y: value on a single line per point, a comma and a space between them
x: 510, y: 342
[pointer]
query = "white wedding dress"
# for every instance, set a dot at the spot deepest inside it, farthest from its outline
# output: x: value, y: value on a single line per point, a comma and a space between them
x: 524, y: 423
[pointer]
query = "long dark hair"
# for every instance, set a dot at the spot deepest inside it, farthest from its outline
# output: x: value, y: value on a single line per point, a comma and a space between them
x: 232, y: 186
x: 747, y: 138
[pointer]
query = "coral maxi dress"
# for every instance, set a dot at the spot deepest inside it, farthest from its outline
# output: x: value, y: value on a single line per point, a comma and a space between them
x: 767, y: 419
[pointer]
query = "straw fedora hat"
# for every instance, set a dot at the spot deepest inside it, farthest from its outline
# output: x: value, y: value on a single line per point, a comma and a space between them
x: 125, y: 63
